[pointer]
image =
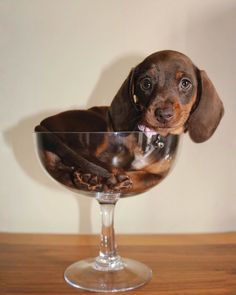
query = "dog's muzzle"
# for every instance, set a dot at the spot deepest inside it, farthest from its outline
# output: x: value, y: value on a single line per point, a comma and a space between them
x: 164, y: 115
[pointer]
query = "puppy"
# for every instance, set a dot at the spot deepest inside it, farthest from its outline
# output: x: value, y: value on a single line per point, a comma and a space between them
x: 164, y: 96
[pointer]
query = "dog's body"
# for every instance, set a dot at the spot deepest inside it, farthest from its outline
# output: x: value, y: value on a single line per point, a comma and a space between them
x: 165, y: 94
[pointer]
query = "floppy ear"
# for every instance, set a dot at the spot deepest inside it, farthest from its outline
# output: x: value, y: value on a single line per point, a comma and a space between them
x: 206, y: 117
x: 123, y: 112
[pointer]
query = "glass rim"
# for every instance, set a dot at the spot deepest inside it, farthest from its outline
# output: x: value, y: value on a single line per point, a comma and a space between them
x: 99, y: 132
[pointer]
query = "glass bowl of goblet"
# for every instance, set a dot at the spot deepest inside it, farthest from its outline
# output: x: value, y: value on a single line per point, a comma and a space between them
x: 107, y: 166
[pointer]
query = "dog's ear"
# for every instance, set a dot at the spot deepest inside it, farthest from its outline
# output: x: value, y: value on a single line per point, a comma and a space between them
x: 208, y: 113
x: 123, y: 112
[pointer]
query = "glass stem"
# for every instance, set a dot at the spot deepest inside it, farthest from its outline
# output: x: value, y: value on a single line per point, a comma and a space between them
x: 108, y: 260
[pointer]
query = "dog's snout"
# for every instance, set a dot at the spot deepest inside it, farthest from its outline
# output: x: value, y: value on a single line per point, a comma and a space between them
x: 164, y: 114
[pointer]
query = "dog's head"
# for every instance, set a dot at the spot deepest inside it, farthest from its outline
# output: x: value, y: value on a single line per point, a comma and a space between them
x: 167, y: 94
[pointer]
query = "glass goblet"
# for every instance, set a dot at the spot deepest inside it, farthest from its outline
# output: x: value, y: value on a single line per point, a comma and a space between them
x: 107, y: 166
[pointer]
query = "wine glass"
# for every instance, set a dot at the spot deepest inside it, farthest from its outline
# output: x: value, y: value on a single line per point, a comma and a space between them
x: 107, y: 166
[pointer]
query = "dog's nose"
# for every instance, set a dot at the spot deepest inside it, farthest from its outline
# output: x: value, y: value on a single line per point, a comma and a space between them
x: 164, y: 114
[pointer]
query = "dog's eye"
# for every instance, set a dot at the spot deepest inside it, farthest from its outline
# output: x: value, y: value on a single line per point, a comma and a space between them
x: 185, y: 84
x: 145, y: 84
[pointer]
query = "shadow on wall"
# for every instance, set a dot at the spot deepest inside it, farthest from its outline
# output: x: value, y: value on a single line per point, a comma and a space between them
x: 111, y: 80
x: 20, y: 136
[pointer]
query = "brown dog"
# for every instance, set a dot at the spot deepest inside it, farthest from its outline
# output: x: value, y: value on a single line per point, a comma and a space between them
x: 166, y: 94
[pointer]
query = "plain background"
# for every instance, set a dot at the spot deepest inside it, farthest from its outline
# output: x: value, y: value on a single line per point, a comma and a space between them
x: 64, y: 54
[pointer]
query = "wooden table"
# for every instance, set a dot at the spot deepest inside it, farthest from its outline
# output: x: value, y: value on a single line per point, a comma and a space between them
x: 181, y: 264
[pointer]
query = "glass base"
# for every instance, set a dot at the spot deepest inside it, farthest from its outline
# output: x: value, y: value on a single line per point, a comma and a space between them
x: 84, y: 275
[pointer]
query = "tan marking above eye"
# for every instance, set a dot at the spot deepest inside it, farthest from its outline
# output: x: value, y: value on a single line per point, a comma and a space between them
x: 179, y: 75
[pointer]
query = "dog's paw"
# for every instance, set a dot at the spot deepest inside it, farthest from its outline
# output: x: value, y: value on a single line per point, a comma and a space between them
x: 87, y: 181
x: 119, y: 182
x: 115, y: 183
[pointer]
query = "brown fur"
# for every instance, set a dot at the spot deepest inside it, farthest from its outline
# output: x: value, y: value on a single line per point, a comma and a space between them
x: 166, y: 93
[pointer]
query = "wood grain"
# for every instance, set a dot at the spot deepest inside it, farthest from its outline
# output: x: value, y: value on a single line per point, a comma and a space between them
x: 181, y: 264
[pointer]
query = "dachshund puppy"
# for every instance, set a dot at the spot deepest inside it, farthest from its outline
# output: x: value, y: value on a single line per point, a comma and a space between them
x: 164, y: 96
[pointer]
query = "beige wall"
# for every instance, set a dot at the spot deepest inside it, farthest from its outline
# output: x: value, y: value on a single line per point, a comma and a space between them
x: 57, y: 55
